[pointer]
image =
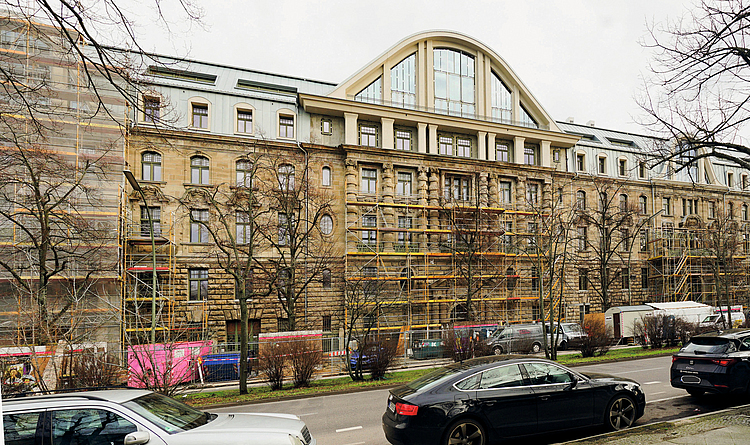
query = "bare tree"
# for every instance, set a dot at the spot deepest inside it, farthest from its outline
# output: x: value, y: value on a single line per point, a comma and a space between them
x: 297, y: 252
x: 605, y: 236
x: 236, y: 245
x: 698, y: 92
x: 474, y: 231
x: 723, y: 243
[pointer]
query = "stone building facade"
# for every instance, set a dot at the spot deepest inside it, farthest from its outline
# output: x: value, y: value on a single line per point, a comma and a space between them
x: 443, y: 170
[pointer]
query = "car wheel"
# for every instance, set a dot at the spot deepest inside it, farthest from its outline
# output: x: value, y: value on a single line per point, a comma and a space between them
x: 696, y: 392
x: 620, y: 413
x: 563, y: 345
x: 497, y: 350
x: 536, y: 347
x: 465, y: 431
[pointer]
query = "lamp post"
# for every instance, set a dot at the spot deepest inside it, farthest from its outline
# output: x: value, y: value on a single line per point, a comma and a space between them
x: 137, y: 187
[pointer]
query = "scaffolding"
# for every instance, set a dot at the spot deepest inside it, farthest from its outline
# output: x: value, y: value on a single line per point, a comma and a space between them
x: 428, y: 254
x: 683, y: 267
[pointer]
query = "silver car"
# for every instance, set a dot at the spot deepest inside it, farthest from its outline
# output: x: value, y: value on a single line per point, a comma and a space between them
x: 133, y: 417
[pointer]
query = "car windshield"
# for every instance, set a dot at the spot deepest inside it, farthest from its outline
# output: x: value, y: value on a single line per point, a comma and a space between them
x: 169, y: 414
x: 435, y: 377
x: 572, y: 328
x: 709, y: 345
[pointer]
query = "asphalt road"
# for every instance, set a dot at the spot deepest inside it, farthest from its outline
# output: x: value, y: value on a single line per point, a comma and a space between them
x: 354, y: 419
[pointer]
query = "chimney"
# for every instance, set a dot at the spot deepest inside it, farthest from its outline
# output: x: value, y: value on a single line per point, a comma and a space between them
x: 570, y: 120
x: 590, y: 123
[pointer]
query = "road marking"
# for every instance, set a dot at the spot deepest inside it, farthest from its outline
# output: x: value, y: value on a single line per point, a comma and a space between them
x: 652, y: 383
x: 640, y: 370
x: 343, y: 430
x: 354, y: 443
x: 662, y: 400
x: 655, y: 393
x: 307, y: 414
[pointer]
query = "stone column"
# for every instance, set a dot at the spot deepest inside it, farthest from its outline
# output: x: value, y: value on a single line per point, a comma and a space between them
x: 350, y: 129
x: 518, y: 146
x: 387, y: 124
x: 421, y: 137
x: 432, y: 139
x: 352, y: 213
x: 481, y: 146
x: 484, y: 199
x: 546, y: 153
x: 491, y: 148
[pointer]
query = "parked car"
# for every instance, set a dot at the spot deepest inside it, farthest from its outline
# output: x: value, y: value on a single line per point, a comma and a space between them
x: 571, y: 335
x: 517, y: 338
x: 135, y: 416
x: 490, y: 398
x: 717, y: 362
x: 428, y: 348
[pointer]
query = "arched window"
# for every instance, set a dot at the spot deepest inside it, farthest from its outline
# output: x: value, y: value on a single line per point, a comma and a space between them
x: 199, y: 170
x: 151, y: 166
x: 623, y: 202
x: 454, y: 82
x: 744, y: 212
x: 581, y: 200
x: 404, y: 82
x: 642, y: 205
x: 730, y: 210
x: 326, y: 177
x: 326, y: 278
x: 244, y: 170
x: 286, y: 177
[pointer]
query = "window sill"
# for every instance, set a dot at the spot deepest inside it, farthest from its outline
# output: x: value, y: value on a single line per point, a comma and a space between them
x: 205, y: 130
x: 159, y: 183
x: 285, y: 138
x: 197, y: 301
x: 197, y: 244
x: 190, y: 184
x: 239, y: 133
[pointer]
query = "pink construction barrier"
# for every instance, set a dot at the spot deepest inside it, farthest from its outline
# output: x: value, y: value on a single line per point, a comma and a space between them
x: 162, y: 365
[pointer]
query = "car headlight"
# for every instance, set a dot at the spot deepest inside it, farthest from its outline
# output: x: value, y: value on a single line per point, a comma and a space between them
x: 296, y: 440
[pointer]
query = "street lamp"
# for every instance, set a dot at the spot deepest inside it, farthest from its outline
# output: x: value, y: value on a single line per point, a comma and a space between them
x: 137, y: 187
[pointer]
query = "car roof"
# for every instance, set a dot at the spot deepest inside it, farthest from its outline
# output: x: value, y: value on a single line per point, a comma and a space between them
x: 491, y: 360
x: 728, y: 333
x: 110, y: 395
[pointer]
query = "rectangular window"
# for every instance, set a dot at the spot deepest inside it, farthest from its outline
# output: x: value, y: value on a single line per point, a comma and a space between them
x: 404, y: 222
x: 244, y: 121
x: 711, y: 210
x: 457, y: 188
x: 503, y: 151
x: 368, y: 135
x: 532, y: 193
x: 580, y: 162
x: 644, y: 277
x: 198, y: 229
x: 644, y: 240
x: 602, y: 166
x: 583, y: 279
x: 642, y: 170
x: 534, y: 279
x: 242, y: 224
x: 244, y: 173
x: 326, y: 127
x: 689, y: 206
x: 730, y: 179
x: 151, y: 109
x: 369, y: 237
x: 200, y: 116
x: 403, y: 186
x: 625, y: 278
x: 445, y: 144
x: 198, y: 279
x: 155, y: 217
x: 666, y: 206
x: 556, y: 156
x: 504, y: 188
x: 623, y: 167
x: 463, y: 147
x: 582, y: 238
x: 531, y: 155
x: 286, y: 127
x: 403, y: 140
x: 326, y: 323
x: 369, y: 180
x: 625, y: 244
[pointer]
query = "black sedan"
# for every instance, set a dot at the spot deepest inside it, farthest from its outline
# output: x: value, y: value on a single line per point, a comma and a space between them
x: 717, y: 362
x: 491, y: 398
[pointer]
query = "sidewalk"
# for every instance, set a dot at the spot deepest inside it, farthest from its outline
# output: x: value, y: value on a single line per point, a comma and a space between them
x: 729, y: 426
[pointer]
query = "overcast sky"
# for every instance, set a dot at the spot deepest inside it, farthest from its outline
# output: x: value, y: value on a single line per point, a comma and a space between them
x: 580, y: 59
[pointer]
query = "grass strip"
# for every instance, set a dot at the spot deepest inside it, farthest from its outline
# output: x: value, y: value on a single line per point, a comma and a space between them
x: 344, y: 384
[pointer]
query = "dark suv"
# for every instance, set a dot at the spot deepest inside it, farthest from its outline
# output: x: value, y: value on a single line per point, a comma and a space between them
x: 717, y: 362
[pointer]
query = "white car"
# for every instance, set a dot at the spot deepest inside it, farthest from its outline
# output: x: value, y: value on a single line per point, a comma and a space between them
x: 134, y: 416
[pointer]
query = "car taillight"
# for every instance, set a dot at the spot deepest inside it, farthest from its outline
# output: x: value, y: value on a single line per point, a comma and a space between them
x: 725, y: 361
x: 674, y: 358
x: 406, y: 409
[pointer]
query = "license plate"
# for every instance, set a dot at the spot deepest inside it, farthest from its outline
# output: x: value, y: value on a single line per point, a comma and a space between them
x: 392, y: 407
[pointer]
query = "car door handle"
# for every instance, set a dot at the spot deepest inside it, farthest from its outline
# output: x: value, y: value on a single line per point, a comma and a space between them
x: 489, y: 403
x: 544, y: 398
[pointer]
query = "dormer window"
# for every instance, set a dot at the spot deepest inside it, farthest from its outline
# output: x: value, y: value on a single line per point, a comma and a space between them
x: 151, y: 107
x: 200, y: 116
x: 454, y: 82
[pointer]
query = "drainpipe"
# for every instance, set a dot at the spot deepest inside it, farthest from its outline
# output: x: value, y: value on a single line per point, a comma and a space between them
x: 307, y: 202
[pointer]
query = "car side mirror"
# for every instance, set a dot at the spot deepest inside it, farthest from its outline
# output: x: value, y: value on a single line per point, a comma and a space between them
x: 136, y: 438
x: 573, y: 381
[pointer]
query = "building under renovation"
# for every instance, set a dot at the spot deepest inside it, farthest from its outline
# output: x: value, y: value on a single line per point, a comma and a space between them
x: 430, y: 184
